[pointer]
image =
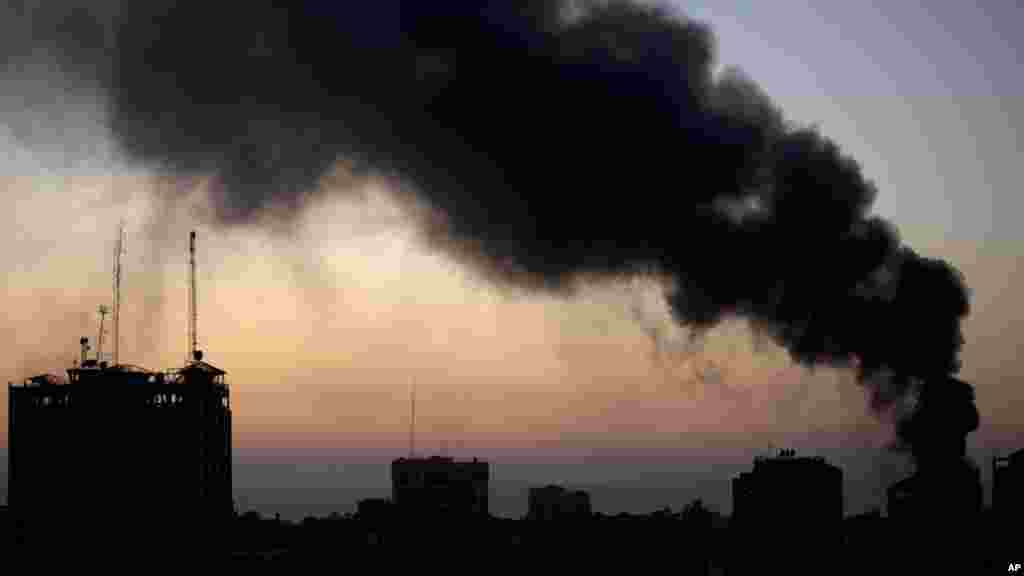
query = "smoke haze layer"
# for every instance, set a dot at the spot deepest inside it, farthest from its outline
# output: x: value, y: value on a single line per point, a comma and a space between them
x: 551, y: 144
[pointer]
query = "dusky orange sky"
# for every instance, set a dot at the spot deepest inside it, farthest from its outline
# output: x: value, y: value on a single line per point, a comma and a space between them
x: 326, y: 324
x: 323, y: 326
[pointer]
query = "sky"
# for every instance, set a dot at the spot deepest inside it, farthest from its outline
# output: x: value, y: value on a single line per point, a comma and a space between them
x: 326, y: 324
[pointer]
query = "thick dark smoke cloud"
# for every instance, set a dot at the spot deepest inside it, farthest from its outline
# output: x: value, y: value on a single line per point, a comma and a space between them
x: 554, y: 146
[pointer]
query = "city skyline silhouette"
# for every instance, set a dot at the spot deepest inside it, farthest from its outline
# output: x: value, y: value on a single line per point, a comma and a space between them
x: 632, y: 251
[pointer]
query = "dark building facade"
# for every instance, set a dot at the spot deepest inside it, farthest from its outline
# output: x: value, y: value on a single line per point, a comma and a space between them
x: 119, y: 451
x: 6, y: 538
x: 783, y: 502
x: 1008, y: 485
x: 799, y: 489
x: 373, y: 508
x: 936, y: 495
x: 440, y: 486
x: 557, y: 503
x: 938, y: 509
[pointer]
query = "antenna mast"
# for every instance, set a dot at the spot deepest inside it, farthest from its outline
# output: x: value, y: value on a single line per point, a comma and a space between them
x: 192, y: 312
x: 119, y: 249
x: 104, y: 310
x: 412, y: 421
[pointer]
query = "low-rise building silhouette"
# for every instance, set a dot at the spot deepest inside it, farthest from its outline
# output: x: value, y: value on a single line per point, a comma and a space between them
x: 557, y: 503
x: 440, y: 486
x: 374, y: 508
x: 376, y: 517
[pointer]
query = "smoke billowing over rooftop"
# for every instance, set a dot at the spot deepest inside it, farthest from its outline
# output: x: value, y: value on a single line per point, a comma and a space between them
x: 553, y: 144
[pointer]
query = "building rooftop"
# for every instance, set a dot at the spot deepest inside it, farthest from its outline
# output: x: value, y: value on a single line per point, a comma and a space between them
x: 91, y: 371
x: 40, y: 380
x: 790, y: 457
x: 436, y: 460
x: 204, y: 367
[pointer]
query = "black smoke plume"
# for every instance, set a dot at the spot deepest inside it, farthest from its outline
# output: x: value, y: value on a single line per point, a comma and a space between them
x: 556, y: 140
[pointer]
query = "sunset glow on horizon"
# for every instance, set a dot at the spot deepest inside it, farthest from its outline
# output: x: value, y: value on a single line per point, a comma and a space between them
x: 328, y: 315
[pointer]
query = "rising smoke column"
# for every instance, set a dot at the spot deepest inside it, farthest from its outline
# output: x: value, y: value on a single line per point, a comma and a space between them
x: 553, y: 143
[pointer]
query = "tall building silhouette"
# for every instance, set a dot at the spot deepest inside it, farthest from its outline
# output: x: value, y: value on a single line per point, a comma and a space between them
x: 119, y: 453
x: 945, y: 490
x: 5, y: 528
x: 1008, y: 485
x: 808, y: 490
x: 1007, y: 506
x: 786, y: 502
x: 924, y: 498
x: 938, y: 511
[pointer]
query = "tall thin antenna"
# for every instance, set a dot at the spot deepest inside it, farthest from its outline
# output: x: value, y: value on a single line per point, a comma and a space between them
x: 460, y: 431
x: 412, y: 419
x: 103, y: 310
x: 119, y: 249
x: 192, y: 312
